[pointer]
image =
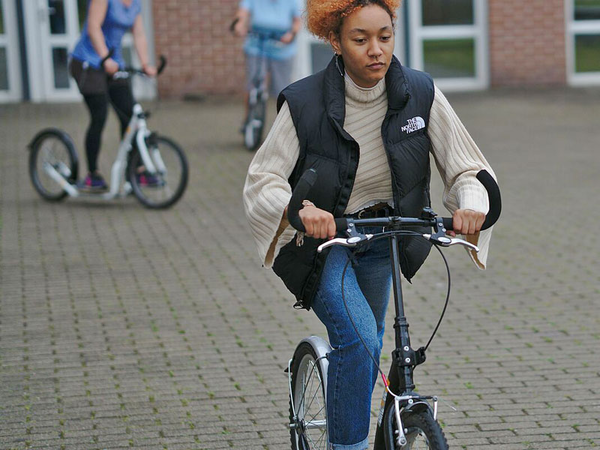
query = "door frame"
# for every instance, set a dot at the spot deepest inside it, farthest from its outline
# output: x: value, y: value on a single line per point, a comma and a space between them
x: 10, y: 41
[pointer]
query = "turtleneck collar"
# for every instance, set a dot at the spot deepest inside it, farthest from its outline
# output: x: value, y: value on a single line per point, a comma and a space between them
x: 363, y: 95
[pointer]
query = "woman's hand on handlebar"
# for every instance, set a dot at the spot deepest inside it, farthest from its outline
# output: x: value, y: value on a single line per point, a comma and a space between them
x: 467, y: 222
x: 319, y: 223
x: 149, y: 70
x: 110, y: 66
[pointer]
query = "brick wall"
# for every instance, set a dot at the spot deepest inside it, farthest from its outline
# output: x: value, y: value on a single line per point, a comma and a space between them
x: 527, y: 42
x: 204, y: 57
x: 526, y: 45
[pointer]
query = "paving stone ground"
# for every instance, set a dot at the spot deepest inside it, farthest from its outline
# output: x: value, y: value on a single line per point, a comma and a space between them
x: 122, y: 327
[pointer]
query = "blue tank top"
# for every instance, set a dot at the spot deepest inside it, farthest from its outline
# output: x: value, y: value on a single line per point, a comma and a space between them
x: 119, y: 19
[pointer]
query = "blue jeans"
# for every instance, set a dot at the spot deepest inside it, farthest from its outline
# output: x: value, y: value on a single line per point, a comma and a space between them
x: 352, y: 374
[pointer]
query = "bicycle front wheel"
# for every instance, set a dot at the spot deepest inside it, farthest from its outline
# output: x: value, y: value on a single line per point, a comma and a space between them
x: 165, y: 187
x: 422, y: 431
x: 52, y: 151
x: 308, y: 415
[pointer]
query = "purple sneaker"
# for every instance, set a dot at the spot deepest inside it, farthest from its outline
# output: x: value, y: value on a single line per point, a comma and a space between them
x: 146, y: 179
x: 93, y: 182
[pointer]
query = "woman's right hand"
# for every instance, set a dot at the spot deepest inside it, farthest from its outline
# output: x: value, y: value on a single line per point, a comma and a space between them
x: 110, y: 66
x: 240, y: 28
x: 319, y: 223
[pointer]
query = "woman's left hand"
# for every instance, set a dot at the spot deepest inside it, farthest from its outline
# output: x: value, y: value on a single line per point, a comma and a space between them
x: 288, y: 37
x: 467, y: 221
x: 150, y: 71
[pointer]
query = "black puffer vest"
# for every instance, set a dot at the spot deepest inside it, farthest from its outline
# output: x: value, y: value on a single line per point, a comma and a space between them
x: 317, y: 106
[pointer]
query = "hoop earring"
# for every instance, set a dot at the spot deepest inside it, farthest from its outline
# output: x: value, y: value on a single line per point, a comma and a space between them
x: 337, y: 64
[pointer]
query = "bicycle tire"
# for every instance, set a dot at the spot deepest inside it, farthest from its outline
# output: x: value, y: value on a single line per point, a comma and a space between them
x: 254, y: 128
x: 308, y: 368
x: 53, y: 146
x: 422, y: 431
x: 171, y: 183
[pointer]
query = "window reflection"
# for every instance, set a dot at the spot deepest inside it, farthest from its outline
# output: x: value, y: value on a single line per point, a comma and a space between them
x: 1, y: 18
x: 587, y: 53
x: 82, y: 12
x: 587, y: 9
x: 3, y: 70
x: 447, y: 12
x: 449, y: 58
x: 59, y: 62
x: 56, y: 14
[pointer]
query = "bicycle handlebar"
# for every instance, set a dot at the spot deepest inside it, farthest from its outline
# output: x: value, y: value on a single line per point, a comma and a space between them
x: 131, y: 70
x: 309, y: 178
x: 259, y: 33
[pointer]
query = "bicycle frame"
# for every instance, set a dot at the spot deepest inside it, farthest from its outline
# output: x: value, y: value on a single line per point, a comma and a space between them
x: 138, y: 130
x: 404, y: 360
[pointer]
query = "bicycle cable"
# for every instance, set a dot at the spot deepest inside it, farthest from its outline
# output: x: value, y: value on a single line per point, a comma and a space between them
x: 378, y: 367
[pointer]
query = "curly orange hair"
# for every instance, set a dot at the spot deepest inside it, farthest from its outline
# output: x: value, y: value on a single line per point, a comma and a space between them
x: 324, y: 16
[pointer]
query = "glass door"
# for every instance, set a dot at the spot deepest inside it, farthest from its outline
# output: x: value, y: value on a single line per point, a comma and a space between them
x: 52, y: 29
x: 10, y: 82
x: 583, y: 41
x: 448, y: 39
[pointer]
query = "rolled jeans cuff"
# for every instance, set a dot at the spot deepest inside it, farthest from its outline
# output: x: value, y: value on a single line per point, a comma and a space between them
x: 362, y: 445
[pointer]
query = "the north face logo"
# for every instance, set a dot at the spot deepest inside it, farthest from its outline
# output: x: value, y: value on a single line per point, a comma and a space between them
x: 414, y: 124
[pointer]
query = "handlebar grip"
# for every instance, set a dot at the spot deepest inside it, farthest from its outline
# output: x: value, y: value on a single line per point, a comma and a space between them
x: 162, y: 64
x: 447, y: 221
x: 495, y: 201
x: 341, y: 224
x: 233, y: 24
x: 109, y: 55
x: 306, y: 181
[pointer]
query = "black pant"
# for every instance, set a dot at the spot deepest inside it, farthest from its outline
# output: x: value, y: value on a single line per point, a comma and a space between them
x: 98, y: 91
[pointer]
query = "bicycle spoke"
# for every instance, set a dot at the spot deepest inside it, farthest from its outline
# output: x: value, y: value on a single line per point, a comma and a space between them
x: 315, y: 415
x: 315, y: 395
x: 301, y: 403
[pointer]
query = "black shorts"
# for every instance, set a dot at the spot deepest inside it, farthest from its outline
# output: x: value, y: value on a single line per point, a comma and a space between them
x: 91, y: 81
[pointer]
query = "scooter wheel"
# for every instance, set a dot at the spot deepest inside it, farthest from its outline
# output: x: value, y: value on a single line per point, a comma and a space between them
x: 52, y: 148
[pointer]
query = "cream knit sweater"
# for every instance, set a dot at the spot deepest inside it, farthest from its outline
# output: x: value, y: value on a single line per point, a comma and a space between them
x: 267, y: 191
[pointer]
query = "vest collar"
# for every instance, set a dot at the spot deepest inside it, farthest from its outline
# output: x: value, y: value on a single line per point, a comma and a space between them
x: 334, y: 89
x: 396, y: 85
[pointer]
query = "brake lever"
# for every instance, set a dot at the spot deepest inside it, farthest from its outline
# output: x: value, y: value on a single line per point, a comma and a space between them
x: 446, y: 241
x: 120, y: 75
x: 352, y: 241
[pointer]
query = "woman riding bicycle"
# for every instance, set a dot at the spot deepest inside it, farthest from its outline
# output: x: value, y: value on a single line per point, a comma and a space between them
x: 95, y: 59
x: 367, y: 125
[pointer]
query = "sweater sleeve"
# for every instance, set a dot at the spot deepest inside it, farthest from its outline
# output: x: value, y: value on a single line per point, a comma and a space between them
x: 458, y: 160
x: 267, y: 190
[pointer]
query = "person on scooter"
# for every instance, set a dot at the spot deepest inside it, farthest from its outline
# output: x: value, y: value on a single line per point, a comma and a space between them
x: 280, y: 17
x: 367, y: 125
x: 95, y: 59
